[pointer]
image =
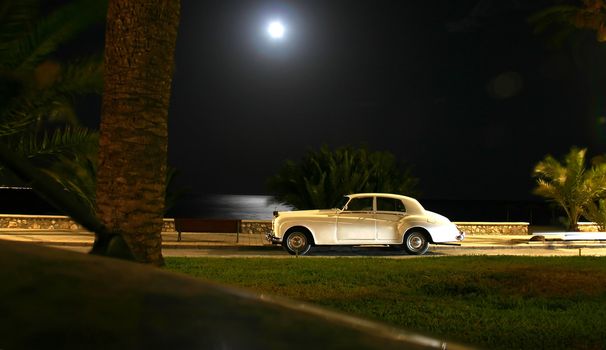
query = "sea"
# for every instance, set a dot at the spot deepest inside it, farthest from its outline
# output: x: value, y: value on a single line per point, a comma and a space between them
x: 261, y: 207
x: 227, y: 206
x: 22, y: 200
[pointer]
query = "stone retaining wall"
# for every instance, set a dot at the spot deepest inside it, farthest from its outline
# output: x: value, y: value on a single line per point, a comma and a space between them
x: 169, y: 225
x: 38, y: 222
x: 255, y: 226
x: 588, y: 227
x: 494, y: 228
x: 53, y: 223
x: 64, y: 223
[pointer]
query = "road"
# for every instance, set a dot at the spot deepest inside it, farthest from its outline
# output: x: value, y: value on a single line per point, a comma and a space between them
x: 228, y: 245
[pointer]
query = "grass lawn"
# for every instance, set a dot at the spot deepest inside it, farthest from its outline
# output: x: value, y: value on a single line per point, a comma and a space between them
x: 494, y: 302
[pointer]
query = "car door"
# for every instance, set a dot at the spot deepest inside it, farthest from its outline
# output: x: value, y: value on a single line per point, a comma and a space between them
x: 390, y: 212
x: 357, y: 221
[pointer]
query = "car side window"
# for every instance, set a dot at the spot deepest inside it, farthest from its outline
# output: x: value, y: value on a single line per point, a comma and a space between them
x: 390, y: 204
x: 360, y: 204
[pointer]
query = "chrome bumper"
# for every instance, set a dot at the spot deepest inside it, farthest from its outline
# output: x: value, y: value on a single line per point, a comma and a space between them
x: 269, y: 236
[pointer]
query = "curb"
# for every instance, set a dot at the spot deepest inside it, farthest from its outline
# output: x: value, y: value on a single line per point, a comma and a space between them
x: 543, y: 246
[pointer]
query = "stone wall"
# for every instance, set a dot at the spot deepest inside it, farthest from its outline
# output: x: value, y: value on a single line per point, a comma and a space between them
x: 53, y: 223
x: 259, y: 227
x: 169, y: 225
x: 493, y: 228
x: 64, y: 223
x: 588, y: 227
x: 255, y: 226
x: 38, y: 222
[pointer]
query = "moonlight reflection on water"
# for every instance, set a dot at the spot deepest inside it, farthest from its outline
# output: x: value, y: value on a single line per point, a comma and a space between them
x: 245, y: 207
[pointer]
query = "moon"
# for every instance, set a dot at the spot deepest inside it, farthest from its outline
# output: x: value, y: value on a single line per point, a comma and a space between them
x: 276, y: 30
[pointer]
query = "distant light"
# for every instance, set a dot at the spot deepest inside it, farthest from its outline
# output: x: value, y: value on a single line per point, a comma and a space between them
x: 276, y: 30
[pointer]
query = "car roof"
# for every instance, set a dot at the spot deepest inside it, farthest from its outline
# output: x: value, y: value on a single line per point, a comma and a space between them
x: 412, y: 205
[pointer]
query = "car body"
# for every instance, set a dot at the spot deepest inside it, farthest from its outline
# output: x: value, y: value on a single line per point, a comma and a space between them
x: 364, y: 219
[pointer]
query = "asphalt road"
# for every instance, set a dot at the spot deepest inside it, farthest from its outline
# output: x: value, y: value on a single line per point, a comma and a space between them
x: 228, y: 245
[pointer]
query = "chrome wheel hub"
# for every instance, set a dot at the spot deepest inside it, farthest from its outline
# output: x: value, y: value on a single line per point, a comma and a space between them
x: 296, y: 241
x: 415, y: 242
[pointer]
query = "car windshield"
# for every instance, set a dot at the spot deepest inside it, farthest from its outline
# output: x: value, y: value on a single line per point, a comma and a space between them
x: 342, y: 202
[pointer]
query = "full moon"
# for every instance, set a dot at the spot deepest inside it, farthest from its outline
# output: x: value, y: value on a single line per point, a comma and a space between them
x: 276, y: 30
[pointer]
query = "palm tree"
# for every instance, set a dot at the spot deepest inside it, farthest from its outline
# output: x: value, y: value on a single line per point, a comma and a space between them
x: 66, y: 155
x: 139, y: 48
x: 576, y: 190
x: 35, y: 88
x: 588, y: 14
x: 596, y: 212
x: 35, y: 92
x: 570, y: 184
x: 37, y: 119
x: 48, y: 188
x: 322, y: 177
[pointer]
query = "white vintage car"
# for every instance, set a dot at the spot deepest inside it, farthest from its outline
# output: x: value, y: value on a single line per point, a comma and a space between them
x: 364, y: 219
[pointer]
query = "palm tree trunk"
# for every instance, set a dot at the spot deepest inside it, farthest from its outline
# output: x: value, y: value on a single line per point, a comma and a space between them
x: 139, y: 58
x: 573, y: 216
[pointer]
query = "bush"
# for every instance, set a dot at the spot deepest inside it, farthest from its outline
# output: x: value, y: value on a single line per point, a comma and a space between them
x: 321, y: 178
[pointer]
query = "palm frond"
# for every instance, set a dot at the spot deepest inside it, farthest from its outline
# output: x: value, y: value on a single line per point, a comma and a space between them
x: 52, y: 191
x: 596, y: 212
x: 558, y: 16
x: 591, y: 14
x: 26, y: 52
x: 17, y: 17
x: 79, y: 187
x: 15, y: 123
x: 80, y: 77
x: 322, y: 177
x: 66, y: 142
x: 67, y: 156
x: 569, y: 183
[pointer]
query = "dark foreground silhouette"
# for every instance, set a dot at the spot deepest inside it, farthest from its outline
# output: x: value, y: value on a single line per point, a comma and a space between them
x: 57, y: 299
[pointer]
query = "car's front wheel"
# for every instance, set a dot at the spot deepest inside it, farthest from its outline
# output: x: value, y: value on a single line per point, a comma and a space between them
x: 297, y: 243
x: 416, y: 243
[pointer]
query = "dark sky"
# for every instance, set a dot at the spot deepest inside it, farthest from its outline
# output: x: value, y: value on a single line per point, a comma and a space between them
x: 461, y: 90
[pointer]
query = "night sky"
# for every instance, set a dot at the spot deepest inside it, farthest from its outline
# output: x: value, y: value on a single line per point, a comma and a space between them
x: 463, y: 91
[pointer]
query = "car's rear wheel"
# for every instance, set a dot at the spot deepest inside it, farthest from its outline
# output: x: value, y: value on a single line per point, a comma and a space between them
x: 297, y: 243
x: 416, y: 243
